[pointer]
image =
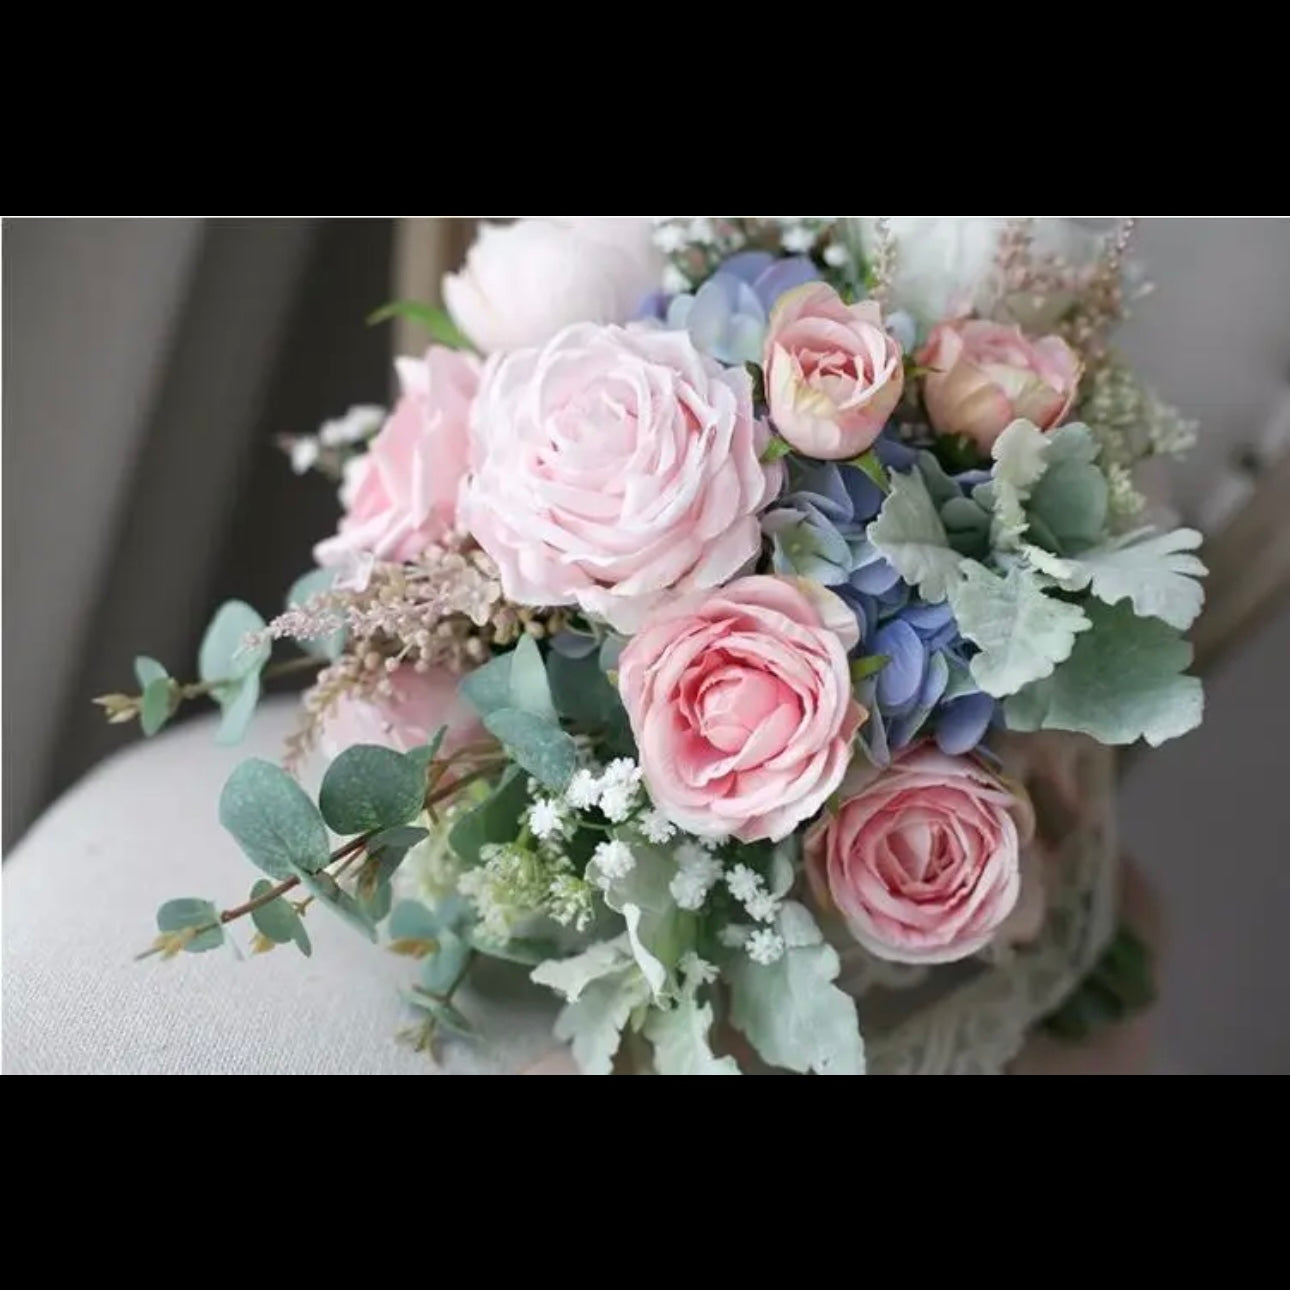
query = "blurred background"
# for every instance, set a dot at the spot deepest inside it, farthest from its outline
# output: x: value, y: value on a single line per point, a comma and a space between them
x: 150, y: 364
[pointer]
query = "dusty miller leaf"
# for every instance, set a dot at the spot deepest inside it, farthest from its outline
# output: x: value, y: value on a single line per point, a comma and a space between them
x: 680, y: 1039
x: 909, y: 532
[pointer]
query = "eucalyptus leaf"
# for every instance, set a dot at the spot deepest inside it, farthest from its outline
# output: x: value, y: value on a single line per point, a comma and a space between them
x: 302, y: 591
x: 526, y: 951
x: 440, y: 971
x: 147, y: 670
x: 1023, y: 633
x: 424, y: 755
x: 278, y: 920
x: 448, y: 1015
x: 223, y: 655
x: 369, y: 787
x: 238, y: 701
x: 410, y: 920
x: 401, y: 837
x: 273, y: 820
x: 909, y: 532
x: 155, y: 704
x: 178, y: 915
x: 539, y: 747
x: 582, y: 692
x: 495, y: 820
x: 488, y: 688
x: 331, y: 896
x: 1122, y: 682
x: 376, y: 903
x: 681, y: 1043
x: 529, y: 689
x: 438, y: 322
x: 790, y: 1010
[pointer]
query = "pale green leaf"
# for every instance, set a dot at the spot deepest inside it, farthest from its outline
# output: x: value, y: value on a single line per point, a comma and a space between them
x: 571, y: 976
x: 1073, y: 442
x: 495, y: 820
x: 412, y: 921
x: 1154, y: 574
x: 432, y: 318
x: 273, y: 820
x: 369, y: 787
x: 1020, y: 458
x: 187, y: 911
x: 147, y: 670
x: 658, y: 930
x: 488, y: 688
x: 594, y: 1024
x: 1070, y: 504
x: 223, y: 655
x: 278, y: 920
x: 681, y: 1045
x: 441, y: 970
x: 540, y: 747
x: 237, y: 700
x: 331, y: 896
x: 790, y: 1010
x: 529, y: 689
x: 1022, y: 632
x: 909, y: 532
x: 155, y: 704
x: 1122, y: 682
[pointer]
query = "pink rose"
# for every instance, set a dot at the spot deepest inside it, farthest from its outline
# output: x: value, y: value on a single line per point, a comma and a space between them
x: 741, y: 704
x: 984, y: 376
x: 833, y: 374
x: 923, y: 862
x: 417, y: 705
x: 614, y: 465
x: 401, y: 495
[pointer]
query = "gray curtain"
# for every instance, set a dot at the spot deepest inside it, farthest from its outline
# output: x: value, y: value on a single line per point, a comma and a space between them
x: 148, y: 365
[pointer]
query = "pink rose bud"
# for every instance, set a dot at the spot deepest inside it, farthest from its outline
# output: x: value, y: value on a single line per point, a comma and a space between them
x: 833, y: 374
x: 401, y: 495
x: 984, y: 376
x: 741, y: 704
x: 923, y: 863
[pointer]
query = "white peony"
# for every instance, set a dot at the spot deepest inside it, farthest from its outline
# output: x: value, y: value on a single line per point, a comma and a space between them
x: 525, y: 281
x: 945, y: 262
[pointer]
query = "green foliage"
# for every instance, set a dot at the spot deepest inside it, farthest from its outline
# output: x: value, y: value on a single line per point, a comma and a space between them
x: 302, y: 591
x: 495, y: 820
x: 869, y: 665
x: 681, y: 1044
x: 1023, y: 633
x: 369, y: 787
x: 1121, y: 983
x: 526, y: 951
x: 426, y: 753
x: 190, y: 913
x: 571, y: 976
x: 540, y: 747
x: 410, y: 920
x: 147, y: 670
x: 869, y: 463
x: 909, y: 532
x: 1123, y: 681
x: 156, y: 704
x: 790, y: 1010
x: 233, y: 669
x: 776, y: 449
x: 331, y: 896
x: 442, y: 969
x: 278, y: 921
x: 1020, y: 459
x: 584, y: 696
x: 401, y: 837
x: 1070, y: 502
x: 529, y: 689
x: 593, y: 1025
x: 658, y: 931
x: 488, y: 688
x: 445, y: 1013
x: 274, y: 822
x: 435, y: 320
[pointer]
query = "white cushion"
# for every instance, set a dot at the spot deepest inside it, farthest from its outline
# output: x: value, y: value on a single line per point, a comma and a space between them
x: 80, y: 892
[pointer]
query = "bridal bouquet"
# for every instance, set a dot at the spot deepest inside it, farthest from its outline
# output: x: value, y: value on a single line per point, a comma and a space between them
x: 679, y: 612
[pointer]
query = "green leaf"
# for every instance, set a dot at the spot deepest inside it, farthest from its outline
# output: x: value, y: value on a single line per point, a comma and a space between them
x: 302, y: 591
x: 529, y: 689
x: 790, y: 1010
x: 410, y: 920
x: 869, y: 665
x: 758, y: 378
x: 176, y: 915
x: 155, y: 705
x: 869, y: 463
x: 222, y: 656
x: 940, y: 487
x: 440, y: 971
x: 238, y: 702
x: 523, y: 950
x: 424, y: 755
x: 909, y: 532
x: 448, y: 1015
x: 1023, y: 633
x: 1122, y: 682
x: 435, y: 320
x: 147, y: 670
x: 584, y: 696
x: 1070, y: 502
x: 331, y: 896
x: 278, y: 920
x: 495, y: 820
x: 776, y: 449
x: 376, y: 903
x: 369, y: 787
x: 488, y: 688
x: 680, y: 1039
x: 594, y: 1024
x: 1154, y: 575
x: 273, y: 820
x: 401, y: 837
x: 571, y: 976
x: 540, y: 747
x: 1020, y: 459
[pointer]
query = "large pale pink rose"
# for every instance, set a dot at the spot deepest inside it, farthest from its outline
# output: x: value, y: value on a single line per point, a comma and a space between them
x: 417, y: 705
x: 741, y: 704
x: 614, y: 465
x: 923, y: 862
x: 523, y: 282
x: 986, y: 375
x: 401, y: 495
x: 833, y: 374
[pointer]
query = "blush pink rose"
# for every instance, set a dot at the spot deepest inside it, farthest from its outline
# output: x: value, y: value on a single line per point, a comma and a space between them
x: 401, y: 495
x: 923, y: 863
x: 741, y: 704
x: 417, y: 705
x: 614, y: 465
x: 833, y: 374
x: 986, y: 375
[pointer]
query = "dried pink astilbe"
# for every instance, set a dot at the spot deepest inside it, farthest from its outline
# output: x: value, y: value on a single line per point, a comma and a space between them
x: 882, y: 267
